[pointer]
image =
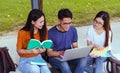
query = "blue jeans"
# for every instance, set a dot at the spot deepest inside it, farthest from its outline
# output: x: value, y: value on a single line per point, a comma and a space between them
x: 95, y: 65
x: 25, y: 67
x: 64, y: 66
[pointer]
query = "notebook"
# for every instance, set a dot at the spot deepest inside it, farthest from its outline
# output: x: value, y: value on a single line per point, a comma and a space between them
x: 103, y: 53
x: 75, y: 53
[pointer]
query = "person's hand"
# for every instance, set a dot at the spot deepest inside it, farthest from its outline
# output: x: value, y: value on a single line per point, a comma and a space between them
x: 61, y: 52
x: 38, y: 51
x: 42, y: 50
x: 99, y: 47
x: 93, y: 55
x: 35, y: 51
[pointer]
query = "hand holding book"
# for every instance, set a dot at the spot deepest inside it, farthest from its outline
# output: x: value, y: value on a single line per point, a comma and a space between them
x: 42, y: 50
x: 38, y: 51
x: 99, y: 52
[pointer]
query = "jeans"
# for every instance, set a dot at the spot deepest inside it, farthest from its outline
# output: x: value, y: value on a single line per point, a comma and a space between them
x: 65, y: 66
x: 25, y: 67
x: 95, y: 65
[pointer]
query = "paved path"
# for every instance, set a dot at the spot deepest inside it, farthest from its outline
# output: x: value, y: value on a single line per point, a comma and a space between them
x: 10, y: 41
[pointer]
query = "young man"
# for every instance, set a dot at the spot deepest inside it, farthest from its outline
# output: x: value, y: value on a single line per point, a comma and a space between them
x: 64, y: 36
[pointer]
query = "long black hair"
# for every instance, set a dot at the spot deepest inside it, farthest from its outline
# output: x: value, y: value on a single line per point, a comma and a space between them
x: 106, y: 18
x: 34, y: 15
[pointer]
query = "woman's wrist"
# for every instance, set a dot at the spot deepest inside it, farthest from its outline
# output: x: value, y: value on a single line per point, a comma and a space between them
x: 91, y: 45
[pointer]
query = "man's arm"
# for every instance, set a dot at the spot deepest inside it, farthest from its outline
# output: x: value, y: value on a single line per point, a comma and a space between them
x: 89, y: 43
x: 75, y: 45
x: 50, y: 52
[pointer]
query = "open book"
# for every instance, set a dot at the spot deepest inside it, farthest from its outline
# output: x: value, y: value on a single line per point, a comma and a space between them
x: 34, y: 43
x: 102, y: 53
x: 38, y: 62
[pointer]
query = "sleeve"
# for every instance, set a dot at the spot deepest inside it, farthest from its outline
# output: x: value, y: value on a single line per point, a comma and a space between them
x: 75, y: 35
x: 22, y: 42
x: 49, y: 35
x: 19, y: 40
x: 89, y: 34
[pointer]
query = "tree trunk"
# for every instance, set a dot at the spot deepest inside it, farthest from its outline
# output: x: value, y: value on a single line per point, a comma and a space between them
x: 40, y: 3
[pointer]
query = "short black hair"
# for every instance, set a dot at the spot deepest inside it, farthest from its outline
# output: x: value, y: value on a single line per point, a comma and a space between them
x: 64, y: 13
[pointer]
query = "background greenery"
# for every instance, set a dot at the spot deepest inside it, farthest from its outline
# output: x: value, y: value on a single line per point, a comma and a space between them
x: 13, y: 13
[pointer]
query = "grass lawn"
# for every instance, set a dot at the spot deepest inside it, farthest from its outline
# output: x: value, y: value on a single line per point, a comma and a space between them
x: 13, y: 13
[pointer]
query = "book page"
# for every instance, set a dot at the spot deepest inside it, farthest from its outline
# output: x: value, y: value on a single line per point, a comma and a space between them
x: 38, y: 62
x: 47, y: 44
x: 99, y: 52
x: 33, y: 43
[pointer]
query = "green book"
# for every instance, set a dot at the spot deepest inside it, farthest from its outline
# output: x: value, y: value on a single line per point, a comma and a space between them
x: 37, y: 62
x: 33, y: 43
